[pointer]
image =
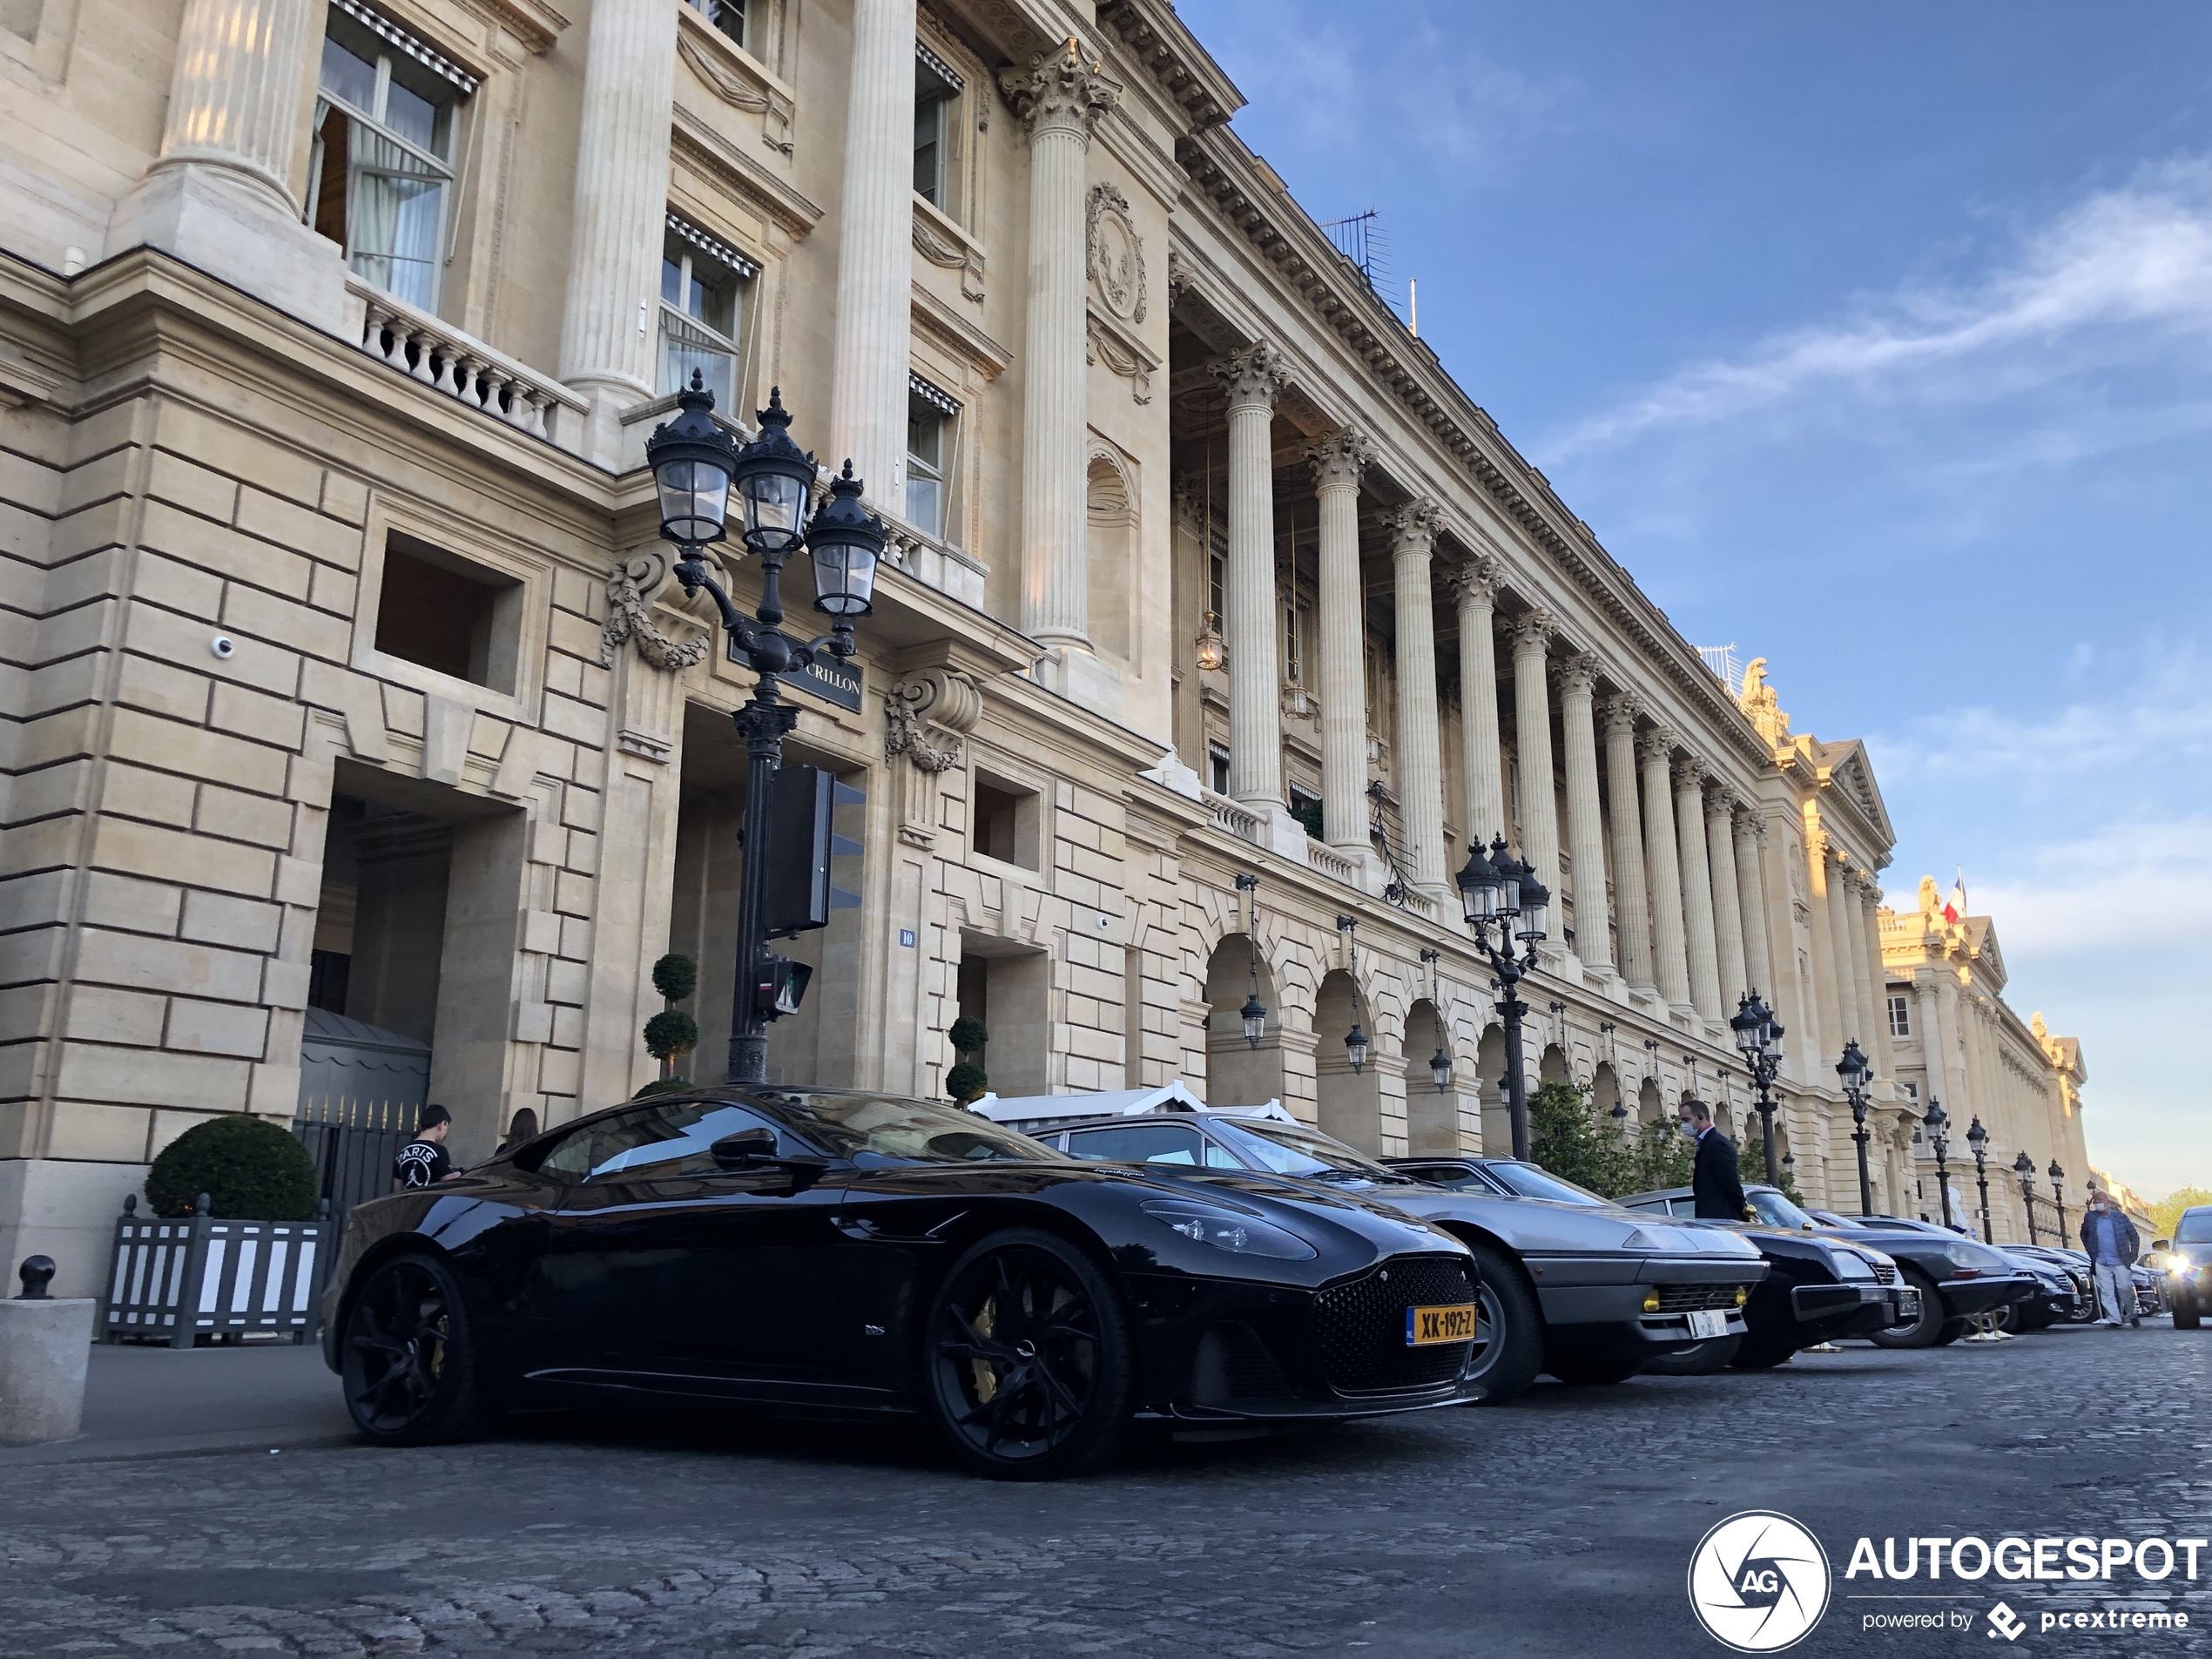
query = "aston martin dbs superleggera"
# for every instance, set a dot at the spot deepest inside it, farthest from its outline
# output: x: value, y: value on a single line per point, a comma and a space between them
x: 841, y: 1253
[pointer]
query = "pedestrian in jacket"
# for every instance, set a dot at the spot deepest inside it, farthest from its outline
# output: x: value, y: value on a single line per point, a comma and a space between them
x: 2111, y: 1243
x: 1715, y: 1185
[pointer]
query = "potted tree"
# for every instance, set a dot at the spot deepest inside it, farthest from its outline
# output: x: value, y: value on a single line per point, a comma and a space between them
x: 967, y: 1081
x: 672, y: 1033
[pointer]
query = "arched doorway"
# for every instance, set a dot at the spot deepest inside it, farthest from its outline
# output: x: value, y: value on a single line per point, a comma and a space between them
x: 1347, y: 1104
x: 1651, y: 1107
x: 1497, y: 1116
x: 1431, y: 1113
x: 1237, y: 1072
x: 1605, y: 1095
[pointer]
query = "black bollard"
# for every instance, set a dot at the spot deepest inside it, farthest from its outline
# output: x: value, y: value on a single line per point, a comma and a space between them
x: 36, y: 1273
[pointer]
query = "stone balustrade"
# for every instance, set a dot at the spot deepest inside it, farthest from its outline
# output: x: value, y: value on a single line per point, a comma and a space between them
x: 1228, y: 815
x: 445, y: 360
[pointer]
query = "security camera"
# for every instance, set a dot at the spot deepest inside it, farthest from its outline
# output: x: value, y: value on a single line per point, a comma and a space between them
x: 224, y: 646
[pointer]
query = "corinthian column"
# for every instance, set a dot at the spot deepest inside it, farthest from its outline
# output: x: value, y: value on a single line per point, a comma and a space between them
x: 1751, y: 892
x: 1885, y: 1054
x: 1059, y: 101
x: 1632, y: 903
x: 1338, y: 461
x: 875, y: 253
x: 1728, y: 909
x: 1420, y: 751
x: 219, y: 195
x: 1473, y: 588
x: 1656, y: 749
x: 1532, y: 633
x: 1697, y: 888
x: 1854, y: 884
x: 1848, y: 1006
x: 1937, y: 1053
x: 1252, y: 379
x: 1585, y: 828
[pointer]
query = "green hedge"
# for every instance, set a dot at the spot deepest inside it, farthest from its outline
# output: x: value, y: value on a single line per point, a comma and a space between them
x: 250, y: 1170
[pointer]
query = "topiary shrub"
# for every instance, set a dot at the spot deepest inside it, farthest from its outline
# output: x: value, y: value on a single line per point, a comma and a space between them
x: 671, y: 1035
x: 250, y: 1170
x: 676, y: 976
x: 967, y: 1034
x: 965, y: 1083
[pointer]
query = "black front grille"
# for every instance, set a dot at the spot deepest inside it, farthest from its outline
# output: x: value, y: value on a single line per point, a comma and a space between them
x: 1885, y: 1272
x: 1362, y: 1325
x: 1234, y: 1363
x: 1692, y: 1298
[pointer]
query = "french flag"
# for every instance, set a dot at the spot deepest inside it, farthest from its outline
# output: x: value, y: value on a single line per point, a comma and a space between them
x: 1954, y: 908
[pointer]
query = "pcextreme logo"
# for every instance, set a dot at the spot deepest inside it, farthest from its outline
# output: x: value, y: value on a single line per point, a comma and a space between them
x: 1758, y: 1581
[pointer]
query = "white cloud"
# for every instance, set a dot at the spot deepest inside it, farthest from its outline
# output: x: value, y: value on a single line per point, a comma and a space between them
x: 2132, y: 259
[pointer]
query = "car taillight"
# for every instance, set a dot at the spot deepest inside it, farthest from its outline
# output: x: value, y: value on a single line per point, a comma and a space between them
x: 1966, y: 1272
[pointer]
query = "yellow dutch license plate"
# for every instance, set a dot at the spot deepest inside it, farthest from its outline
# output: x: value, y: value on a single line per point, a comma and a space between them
x: 1426, y: 1326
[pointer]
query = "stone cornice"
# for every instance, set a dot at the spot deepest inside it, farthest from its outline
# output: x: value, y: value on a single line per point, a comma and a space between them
x: 708, y: 152
x: 1158, y: 40
x: 1248, y: 197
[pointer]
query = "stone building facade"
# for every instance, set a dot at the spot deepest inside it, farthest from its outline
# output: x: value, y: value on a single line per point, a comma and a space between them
x: 344, y: 673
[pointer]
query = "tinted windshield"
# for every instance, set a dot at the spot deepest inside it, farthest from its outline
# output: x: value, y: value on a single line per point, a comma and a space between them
x: 1289, y: 1149
x: 1532, y: 1183
x: 892, y: 1126
x: 1777, y: 1210
x: 2195, y: 1227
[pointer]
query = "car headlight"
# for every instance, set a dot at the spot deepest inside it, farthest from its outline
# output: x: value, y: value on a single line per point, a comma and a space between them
x: 1851, y: 1264
x: 1226, y: 1229
x: 1970, y: 1262
x: 1657, y: 1238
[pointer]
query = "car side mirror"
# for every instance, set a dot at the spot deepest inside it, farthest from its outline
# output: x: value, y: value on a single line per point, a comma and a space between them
x: 746, y: 1146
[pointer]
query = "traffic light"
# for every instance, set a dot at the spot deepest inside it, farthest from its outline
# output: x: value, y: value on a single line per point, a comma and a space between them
x: 801, y: 843
x: 779, y: 987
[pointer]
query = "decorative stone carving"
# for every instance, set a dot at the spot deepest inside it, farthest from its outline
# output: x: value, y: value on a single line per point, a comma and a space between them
x: 1103, y: 343
x: 1416, y: 522
x: 1531, y: 632
x: 1578, y: 674
x: 1657, y: 745
x: 949, y: 255
x: 630, y: 588
x: 1619, y: 713
x: 1116, y: 253
x: 1475, y: 584
x: 943, y: 698
x: 1059, y: 89
x: 720, y: 71
x: 1339, y: 459
x: 1180, y: 276
x: 1253, y: 377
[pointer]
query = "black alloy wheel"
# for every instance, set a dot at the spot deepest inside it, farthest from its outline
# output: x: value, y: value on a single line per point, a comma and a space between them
x: 1699, y: 1360
x: 2187, y: 1315
x: 1508, y: 1348
x: 1764, y: 1356
x: 1590, y: 1371
x: 1027, y: 1364
x: 1923, y: 1332
x: 409, y: 1364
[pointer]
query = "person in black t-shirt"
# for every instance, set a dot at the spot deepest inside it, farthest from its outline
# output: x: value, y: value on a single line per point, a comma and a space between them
x: 423, y: 1161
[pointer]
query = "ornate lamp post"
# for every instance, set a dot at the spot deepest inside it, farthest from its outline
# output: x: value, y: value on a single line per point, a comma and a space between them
x: 1935, y: 1124
x: 1977, y: 1137
x: 1254, y: 1013
x: 1440, y: 1063
x: 2024, y: 1167
x: 1758, y: 1038
x: 1855, y: 1074
x: 2058, y: 1196
x: 695, y: 463
x: 1500, y: 892
x: 1355, y: 1041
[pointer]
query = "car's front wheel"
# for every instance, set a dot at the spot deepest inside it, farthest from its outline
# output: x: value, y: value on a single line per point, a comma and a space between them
x: 1589, y: 1372
x: 1508, y: 1348
x: 1029, y: 1370
x: 408, y: 1356
x: 1921, y: 1333
x: 2187, y: 1315
x: 1699, y: 1360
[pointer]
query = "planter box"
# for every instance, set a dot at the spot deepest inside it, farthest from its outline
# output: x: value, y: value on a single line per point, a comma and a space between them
x: 177, y: 1279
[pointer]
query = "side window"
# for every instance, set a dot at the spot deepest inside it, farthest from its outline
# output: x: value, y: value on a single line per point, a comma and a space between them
x: 931, y: 425
x: 1648, y: 1206
x: 937, y: 89
x: 1220, y: 1158
x: 704, y: 283
x: 381, y: 182
x: 672, y: 1140
x: 1137, y: 1143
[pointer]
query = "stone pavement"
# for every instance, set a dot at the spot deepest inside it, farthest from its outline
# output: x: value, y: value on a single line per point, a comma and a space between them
x: 1562, y: 1525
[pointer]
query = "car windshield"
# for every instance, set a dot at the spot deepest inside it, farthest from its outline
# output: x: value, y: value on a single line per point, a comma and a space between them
x: 1777, y: 1211
x: 1288, y: 1149
x: 892, y: 1126
x: 2195, y: 1227
x: 1530, y: 1181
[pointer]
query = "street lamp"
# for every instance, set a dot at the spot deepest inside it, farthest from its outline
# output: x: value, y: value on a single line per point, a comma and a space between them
x: 1440, y: 1063
x: 1758, y: 1038
x: 1977, y: 1137
x: 1254, y: 1013
x: 2024, y: 1167
x: 696, y: 463
x: 1498, y: 890
x: 1935, y: 1124
x: 2058, y: 1196
x: 1855, y: 1074
x: 1355, y: 1041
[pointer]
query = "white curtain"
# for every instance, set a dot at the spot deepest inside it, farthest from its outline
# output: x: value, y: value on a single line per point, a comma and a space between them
x: 398, y: 213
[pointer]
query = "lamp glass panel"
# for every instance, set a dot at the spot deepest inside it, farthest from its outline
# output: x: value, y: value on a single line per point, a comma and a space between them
x: 773, y: 503
x: 694, y: 500
x: 844, y: 578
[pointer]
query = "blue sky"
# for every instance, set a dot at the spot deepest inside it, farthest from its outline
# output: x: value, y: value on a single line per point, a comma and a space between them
x: 1876, y: 339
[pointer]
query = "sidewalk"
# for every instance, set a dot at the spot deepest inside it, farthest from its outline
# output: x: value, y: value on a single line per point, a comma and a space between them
x: 160, y: 1402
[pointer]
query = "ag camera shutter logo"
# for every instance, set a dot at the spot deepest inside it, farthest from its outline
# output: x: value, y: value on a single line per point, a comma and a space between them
x: 1758, y: 1581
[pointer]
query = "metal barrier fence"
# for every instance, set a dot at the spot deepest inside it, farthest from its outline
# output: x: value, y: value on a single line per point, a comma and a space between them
x: 352, y: 1142
x: 181, y: 1279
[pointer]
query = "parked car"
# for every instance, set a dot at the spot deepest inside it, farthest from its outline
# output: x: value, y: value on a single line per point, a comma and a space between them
x: 2186, y: 1264
x: 2057, y: 1298
x: 1819, y: 1288
x: 2082, y: 1285
x: 1957, y: 1277
x: 834, y: 1252
x: 1587, y: 1294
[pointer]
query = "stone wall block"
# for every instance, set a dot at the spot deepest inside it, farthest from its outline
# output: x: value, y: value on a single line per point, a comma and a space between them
x: 301, y: 529
x: 216, y: 1028
x: 252, y: 611
x: 578, y: 722
x: 403, y: 709
x: 284, y: 984
x: 158, y: 797
x: 194, y: 488
x: 299, y: 881
x: 221, y: 550
x: 445, y: 737
x: 186, y: 642
x: 533, y: 1023
x: 132, y: 1076
x: 102, y: 478
x: 81, y: 533
x: 541, y: 932
x: 100, y: 1014
x: 346, y: 499
x: 119, y: 844
x: 125, y: 902
x: 243, y: 924
x: 334, y: 590
x: 196, y: 751
x: 250, y: 714
x: 216, y: 442
x: 257, y: 819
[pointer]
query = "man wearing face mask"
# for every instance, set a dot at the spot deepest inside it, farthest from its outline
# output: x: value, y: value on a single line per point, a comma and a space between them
x: 2112, y: 1244
x: 1714, y: 1184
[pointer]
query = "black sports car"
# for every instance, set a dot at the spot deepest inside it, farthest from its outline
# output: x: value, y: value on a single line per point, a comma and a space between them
x: 837, y: 1251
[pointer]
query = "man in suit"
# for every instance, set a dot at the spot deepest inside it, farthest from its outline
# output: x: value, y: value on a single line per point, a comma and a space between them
x: 1715, y: 1186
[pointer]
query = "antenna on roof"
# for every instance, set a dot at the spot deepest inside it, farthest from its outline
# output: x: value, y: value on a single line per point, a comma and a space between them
x: 1361, y: 239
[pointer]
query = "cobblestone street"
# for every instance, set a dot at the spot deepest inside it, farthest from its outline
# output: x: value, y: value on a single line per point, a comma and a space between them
x: 1562, y: 1525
